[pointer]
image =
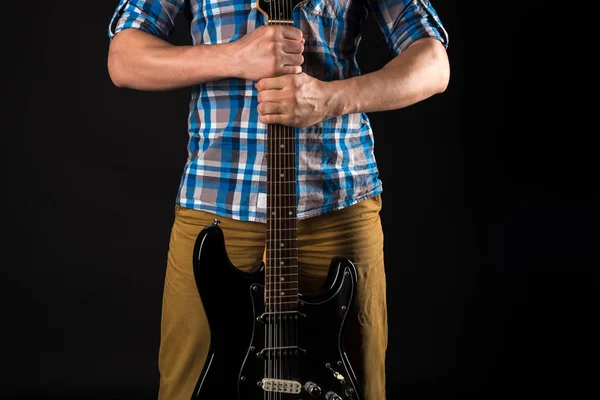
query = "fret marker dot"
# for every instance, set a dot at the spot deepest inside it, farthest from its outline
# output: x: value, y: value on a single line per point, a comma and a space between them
x: 272, y: 212
x: 281, y: 262
x: 281, y: 244
x: 282, y: 279
x: 283, y: 293
x: 290, y: 213
x: 282, y: 146
x: 282, y: 175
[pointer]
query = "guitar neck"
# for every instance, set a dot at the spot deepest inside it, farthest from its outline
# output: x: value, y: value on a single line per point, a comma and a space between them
x: 281, y: 278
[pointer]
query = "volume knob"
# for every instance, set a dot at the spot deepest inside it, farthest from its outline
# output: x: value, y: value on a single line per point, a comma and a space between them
x: 332, y: 396
x: 312, y: 388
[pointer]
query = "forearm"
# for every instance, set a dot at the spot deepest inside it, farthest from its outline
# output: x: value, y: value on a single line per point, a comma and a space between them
x: 138, y: 60
x: 419, y: 72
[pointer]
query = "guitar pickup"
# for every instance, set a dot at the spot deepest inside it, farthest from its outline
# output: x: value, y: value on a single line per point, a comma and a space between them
x: 281, y: 386
x: 280, y: 317
x: 278, y: 352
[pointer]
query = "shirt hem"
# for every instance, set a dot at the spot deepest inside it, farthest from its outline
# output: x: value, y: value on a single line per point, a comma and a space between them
x: 215, y: 209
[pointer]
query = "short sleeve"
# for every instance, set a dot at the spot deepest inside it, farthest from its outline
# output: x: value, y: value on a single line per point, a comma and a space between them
x: 152, y: 16
x: 402, y: 22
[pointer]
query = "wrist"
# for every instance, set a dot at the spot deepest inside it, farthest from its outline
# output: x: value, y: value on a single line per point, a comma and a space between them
x: 337, y: 102
x: 235, y: 68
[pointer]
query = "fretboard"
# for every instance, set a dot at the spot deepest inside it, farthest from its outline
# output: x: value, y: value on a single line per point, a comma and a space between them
x: 281, y: 280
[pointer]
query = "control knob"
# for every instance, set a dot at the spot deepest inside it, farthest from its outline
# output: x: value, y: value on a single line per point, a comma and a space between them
x: 312, y: 388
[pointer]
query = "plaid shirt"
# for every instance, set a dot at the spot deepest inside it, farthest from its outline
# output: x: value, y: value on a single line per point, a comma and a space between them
x: 225, y: 172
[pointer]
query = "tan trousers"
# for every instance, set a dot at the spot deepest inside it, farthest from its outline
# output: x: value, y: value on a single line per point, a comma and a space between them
x: 354, y: 232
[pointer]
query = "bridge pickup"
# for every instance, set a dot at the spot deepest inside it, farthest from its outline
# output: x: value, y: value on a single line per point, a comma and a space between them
x: 283, y: 316
x: 281, y: 386
x: 278, y: 352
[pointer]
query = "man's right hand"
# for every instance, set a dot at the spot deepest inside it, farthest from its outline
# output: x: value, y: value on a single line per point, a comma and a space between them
x: 269, y: 51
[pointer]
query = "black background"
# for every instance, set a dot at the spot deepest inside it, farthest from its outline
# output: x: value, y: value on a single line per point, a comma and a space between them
x: 490, y: 214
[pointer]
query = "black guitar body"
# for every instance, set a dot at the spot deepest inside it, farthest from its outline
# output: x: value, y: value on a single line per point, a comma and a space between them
x: 234, y: 304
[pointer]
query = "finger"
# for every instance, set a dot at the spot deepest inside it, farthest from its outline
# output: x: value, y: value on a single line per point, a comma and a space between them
x: 270, y: 108
x: 269, y: 83
x: 293, y: 59
x: 292, y: 46
x: 291, y: 32
x: 271, y: 119
x: 269, y: 96
x: 280, y: 119
x: 290, y: 70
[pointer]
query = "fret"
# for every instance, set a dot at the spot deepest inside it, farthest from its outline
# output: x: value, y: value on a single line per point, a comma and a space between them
x: 284, y: 258
x: 284, y: 282
x: 273, y: 273
x: 284, y: 275
x: 275, y: 153
x: 281, y: 22
x: 279, y: 298
x: 282, y: 290
x: 285, y: 302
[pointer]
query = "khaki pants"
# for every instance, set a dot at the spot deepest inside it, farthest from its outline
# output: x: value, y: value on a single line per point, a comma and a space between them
x: 354, y: 232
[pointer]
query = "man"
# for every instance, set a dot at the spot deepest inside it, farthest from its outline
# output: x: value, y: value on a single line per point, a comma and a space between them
x: 245, y: 74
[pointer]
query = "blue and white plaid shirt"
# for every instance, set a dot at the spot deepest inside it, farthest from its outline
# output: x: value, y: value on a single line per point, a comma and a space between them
x: 226, y: 168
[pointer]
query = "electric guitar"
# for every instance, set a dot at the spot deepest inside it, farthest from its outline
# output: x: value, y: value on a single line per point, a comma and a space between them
x: 268, y: 341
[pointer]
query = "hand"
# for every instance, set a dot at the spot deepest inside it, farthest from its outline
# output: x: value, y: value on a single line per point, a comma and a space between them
x: 297, y: 100
x: 268, y: 51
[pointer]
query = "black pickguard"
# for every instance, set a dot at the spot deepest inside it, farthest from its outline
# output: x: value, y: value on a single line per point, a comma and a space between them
x: 233, y: 300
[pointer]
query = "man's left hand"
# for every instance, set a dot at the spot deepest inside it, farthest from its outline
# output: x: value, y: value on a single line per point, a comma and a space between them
x: 297, y: 100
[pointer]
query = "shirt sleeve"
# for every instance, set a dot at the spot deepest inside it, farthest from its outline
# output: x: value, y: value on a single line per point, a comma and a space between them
x: 156, y: 17
x: 402, y: 22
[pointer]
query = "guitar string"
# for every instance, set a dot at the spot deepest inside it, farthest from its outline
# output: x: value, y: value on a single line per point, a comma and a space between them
x: 281, y: 247
x: 271, y: 255
x: 288, y: 178
x: 274, y: 244
x: 292, y: 233
x: 271, y: 243
x: 282, y: 185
